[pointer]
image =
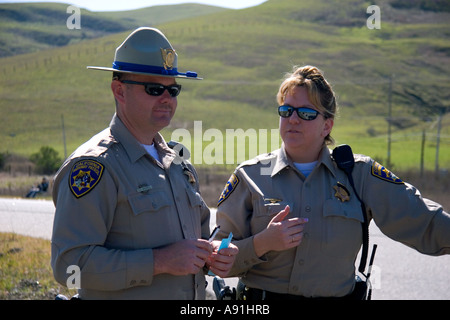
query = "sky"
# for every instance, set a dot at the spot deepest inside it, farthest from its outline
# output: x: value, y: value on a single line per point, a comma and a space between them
x: 108, y: 5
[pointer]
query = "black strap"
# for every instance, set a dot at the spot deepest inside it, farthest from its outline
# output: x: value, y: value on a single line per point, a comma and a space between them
x: 365, y: 229
x: 343, y: 155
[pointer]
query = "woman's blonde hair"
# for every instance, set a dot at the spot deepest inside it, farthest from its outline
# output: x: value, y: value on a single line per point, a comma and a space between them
x: 319, y: 91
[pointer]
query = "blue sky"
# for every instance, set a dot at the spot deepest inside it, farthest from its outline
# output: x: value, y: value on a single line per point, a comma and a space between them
x: 108, y: 5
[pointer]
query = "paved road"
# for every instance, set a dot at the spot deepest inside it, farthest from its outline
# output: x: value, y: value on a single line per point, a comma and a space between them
x: 399, y: 272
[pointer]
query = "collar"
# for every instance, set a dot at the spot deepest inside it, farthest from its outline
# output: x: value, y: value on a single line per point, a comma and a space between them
x: 134, y: 149
x: 283, y: 161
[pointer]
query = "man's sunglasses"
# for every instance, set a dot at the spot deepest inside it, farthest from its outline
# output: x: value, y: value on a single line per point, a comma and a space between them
x: 157, y: 89
x: 304, y: 113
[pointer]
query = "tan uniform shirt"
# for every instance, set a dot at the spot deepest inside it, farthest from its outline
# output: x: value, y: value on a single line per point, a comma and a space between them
x: 114, y: 204
x: 323, y: 265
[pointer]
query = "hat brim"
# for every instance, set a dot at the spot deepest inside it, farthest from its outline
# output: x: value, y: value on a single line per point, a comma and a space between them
x: 179, y: 76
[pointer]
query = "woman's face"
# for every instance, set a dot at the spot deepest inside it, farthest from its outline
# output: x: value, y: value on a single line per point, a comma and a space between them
x: 303, y: 139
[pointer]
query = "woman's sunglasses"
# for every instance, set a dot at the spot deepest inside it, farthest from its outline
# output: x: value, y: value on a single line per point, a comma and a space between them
x: 157, y: 89
x: 304, y: 113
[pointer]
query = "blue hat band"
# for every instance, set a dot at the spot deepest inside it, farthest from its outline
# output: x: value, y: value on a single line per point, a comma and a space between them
x: 134, y: 67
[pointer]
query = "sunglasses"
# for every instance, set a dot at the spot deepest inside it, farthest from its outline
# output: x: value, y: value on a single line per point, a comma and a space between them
x: 157, y: 89
x: 304, y: 113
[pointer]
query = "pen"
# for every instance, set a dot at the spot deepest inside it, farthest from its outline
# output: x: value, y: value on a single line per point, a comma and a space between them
x: 214, y: 233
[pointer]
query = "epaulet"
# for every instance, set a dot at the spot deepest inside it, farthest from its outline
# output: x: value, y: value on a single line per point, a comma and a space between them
x: 361, y: 158
x: 96, y: 146
x: 181, y: 151
x: 262, y: 158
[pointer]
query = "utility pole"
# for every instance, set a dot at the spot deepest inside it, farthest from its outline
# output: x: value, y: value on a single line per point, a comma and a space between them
x: 438, y: 138
x: 422, y: 154
x: 389, y: 122
x: 64, y: 136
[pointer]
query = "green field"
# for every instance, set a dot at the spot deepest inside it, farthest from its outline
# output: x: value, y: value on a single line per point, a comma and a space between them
x: 32, y: 27
x: 243, y: 55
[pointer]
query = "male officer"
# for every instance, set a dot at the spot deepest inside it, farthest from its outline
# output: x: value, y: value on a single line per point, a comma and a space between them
x: 128, y: 210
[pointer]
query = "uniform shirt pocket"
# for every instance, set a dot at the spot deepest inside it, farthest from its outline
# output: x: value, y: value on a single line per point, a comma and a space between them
x: 148, y: 202
x: 198, y: 209
x: 264, y: 211
x: 264, y: 207
x: 342, y: 232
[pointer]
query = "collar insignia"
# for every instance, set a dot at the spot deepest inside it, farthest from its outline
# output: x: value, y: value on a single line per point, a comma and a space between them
x: 190, y: 175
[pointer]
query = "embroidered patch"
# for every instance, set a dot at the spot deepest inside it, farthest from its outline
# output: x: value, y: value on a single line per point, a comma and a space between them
x: 381, y: 172
x: 84, y: 176
x: 229, y: 188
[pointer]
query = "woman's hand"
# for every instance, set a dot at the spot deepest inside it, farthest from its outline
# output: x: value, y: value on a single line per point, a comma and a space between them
x: 280, y: 234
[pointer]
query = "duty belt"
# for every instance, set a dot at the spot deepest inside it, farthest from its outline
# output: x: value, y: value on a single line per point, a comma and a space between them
x: 258, y: 294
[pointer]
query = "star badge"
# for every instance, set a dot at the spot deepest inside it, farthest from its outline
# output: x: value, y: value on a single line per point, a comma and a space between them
x: 341, y: 192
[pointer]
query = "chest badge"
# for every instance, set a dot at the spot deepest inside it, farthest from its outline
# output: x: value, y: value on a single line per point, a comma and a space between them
x: 341, y: 192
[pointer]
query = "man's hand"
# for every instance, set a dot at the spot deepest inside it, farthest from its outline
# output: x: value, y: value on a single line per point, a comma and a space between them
x: 220, y: 263
x: 182, y: 258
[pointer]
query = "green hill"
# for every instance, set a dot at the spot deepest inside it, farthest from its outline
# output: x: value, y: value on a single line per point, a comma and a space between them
x: 32, y: 27
x: 243, y: 54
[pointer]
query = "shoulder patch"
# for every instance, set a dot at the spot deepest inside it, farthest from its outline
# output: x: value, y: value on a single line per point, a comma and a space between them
x: 229, y: 188
x: 84, y: 176
x: 384, y: 174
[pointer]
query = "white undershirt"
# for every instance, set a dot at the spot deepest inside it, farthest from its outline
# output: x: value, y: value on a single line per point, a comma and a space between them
x: 151, y: 150
x: 305, y: 168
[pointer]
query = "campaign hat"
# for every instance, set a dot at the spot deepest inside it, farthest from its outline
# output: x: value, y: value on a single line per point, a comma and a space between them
x: 147, y: 51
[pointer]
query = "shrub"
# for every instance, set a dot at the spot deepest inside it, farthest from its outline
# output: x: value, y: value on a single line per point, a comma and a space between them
x: 46, y: 160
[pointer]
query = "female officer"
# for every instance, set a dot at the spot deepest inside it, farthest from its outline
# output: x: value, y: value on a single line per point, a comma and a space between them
x: 294, y: 215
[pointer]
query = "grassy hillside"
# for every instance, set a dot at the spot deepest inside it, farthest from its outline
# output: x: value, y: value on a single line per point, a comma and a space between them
x: 32, y: 27
x: 243, y: 54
